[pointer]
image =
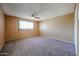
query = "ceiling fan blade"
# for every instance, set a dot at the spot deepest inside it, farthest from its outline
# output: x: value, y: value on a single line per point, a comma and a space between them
x: 37, y: 17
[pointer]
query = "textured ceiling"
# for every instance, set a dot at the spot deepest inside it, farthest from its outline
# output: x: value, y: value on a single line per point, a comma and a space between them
x: 44, y: 10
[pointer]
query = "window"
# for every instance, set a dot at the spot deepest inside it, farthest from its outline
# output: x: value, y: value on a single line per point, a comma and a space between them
x: 23, y: 25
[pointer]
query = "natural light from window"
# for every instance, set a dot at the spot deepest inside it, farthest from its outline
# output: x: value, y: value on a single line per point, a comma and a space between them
x: 24, y: 25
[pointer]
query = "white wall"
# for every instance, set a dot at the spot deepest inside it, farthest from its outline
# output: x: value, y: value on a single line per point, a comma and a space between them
x: 77, y: 29
x: 61, y: 28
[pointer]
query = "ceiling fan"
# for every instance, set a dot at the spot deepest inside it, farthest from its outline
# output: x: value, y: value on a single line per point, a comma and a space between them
x: 35, y: 15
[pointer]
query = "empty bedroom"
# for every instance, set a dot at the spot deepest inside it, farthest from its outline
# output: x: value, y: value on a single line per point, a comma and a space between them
x: 37, y: 29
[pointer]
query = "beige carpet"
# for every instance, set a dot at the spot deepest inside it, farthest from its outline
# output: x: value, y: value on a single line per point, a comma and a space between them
x: 38, y: 46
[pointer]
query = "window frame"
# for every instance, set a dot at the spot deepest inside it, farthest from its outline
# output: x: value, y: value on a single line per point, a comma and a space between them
x: 26, y: 21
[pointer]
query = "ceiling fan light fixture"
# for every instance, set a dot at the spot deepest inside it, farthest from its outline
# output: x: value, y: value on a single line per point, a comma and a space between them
x: 35, y: 16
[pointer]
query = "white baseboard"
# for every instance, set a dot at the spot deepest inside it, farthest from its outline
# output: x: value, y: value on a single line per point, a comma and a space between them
x: 58, y: 39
